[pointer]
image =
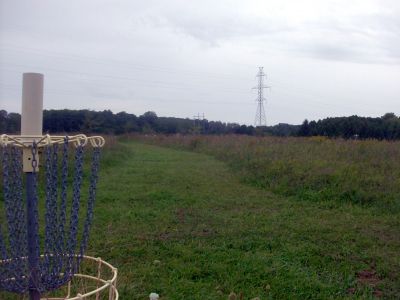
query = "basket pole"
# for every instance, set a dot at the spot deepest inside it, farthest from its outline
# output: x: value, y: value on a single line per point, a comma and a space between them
x: 31, y: 124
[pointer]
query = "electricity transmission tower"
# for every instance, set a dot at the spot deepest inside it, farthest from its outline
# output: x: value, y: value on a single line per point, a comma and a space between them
x: 199, y: 122
x: 260, y: 119
x: 199, y: 117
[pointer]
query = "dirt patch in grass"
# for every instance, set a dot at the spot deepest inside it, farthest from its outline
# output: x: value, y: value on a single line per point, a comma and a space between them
x: 205, y: 232
x: 368, y: 278
x: 180, y: 215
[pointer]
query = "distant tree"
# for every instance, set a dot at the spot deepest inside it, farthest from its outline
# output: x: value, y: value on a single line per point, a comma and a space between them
x: 148, y: 121
x: 125, y: 123
x: 313, y: 129
x: 150, y: 117
x: 13, y: 123
x: 304, y: 129
x: 243, y: 129
x: 3, y: 120
x: 389, y: 116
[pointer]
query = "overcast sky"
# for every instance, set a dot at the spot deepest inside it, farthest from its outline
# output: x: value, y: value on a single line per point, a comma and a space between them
x: 180, y: 57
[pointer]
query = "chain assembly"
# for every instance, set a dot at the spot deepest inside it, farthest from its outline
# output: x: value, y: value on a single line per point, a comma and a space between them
x: 43, y: 239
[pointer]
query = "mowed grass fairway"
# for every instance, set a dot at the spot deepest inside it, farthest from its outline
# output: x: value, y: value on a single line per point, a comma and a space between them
x: 186, y: 226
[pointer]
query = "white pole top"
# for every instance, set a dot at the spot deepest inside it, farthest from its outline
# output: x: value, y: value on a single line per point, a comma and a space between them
x: 32, y: 104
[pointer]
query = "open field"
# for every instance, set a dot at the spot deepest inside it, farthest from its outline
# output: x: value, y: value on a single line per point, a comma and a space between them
x: 316, y: 168
x: 192, y: 226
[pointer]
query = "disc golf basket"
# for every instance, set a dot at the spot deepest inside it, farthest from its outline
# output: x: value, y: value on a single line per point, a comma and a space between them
x: 46, y: 210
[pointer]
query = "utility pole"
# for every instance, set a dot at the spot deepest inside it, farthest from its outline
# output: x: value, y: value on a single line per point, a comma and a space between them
x: 260, y: 119
x: 198, y: 120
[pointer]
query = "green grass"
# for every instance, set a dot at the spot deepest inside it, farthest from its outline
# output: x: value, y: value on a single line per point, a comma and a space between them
x: 185, y: 225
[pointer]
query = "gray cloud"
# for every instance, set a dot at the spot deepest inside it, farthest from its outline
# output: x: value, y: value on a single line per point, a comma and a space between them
x: 182, y: 57
x: 365, y: 38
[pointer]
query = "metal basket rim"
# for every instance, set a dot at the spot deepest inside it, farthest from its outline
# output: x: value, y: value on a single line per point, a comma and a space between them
x: 25, y: 141
x: 111, y: 283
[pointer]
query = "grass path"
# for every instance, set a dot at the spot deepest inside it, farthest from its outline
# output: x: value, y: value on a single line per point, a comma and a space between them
x: 183, y: 225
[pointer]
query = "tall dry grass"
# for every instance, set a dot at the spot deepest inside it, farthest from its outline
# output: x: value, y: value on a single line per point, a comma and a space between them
x: 316, y: 168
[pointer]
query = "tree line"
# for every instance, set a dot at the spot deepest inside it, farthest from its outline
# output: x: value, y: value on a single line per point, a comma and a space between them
x: 385, y: 127
x: 106, y: 122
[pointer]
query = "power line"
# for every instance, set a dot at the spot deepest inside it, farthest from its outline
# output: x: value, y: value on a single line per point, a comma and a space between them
x: 199, y: 117
x: 161, y: 84
x: 108, y: 61
x: 44, y: 52
x: 12, y: 48
x: 61, y: 92
x: 16, y: 89
x: 288, y: 90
